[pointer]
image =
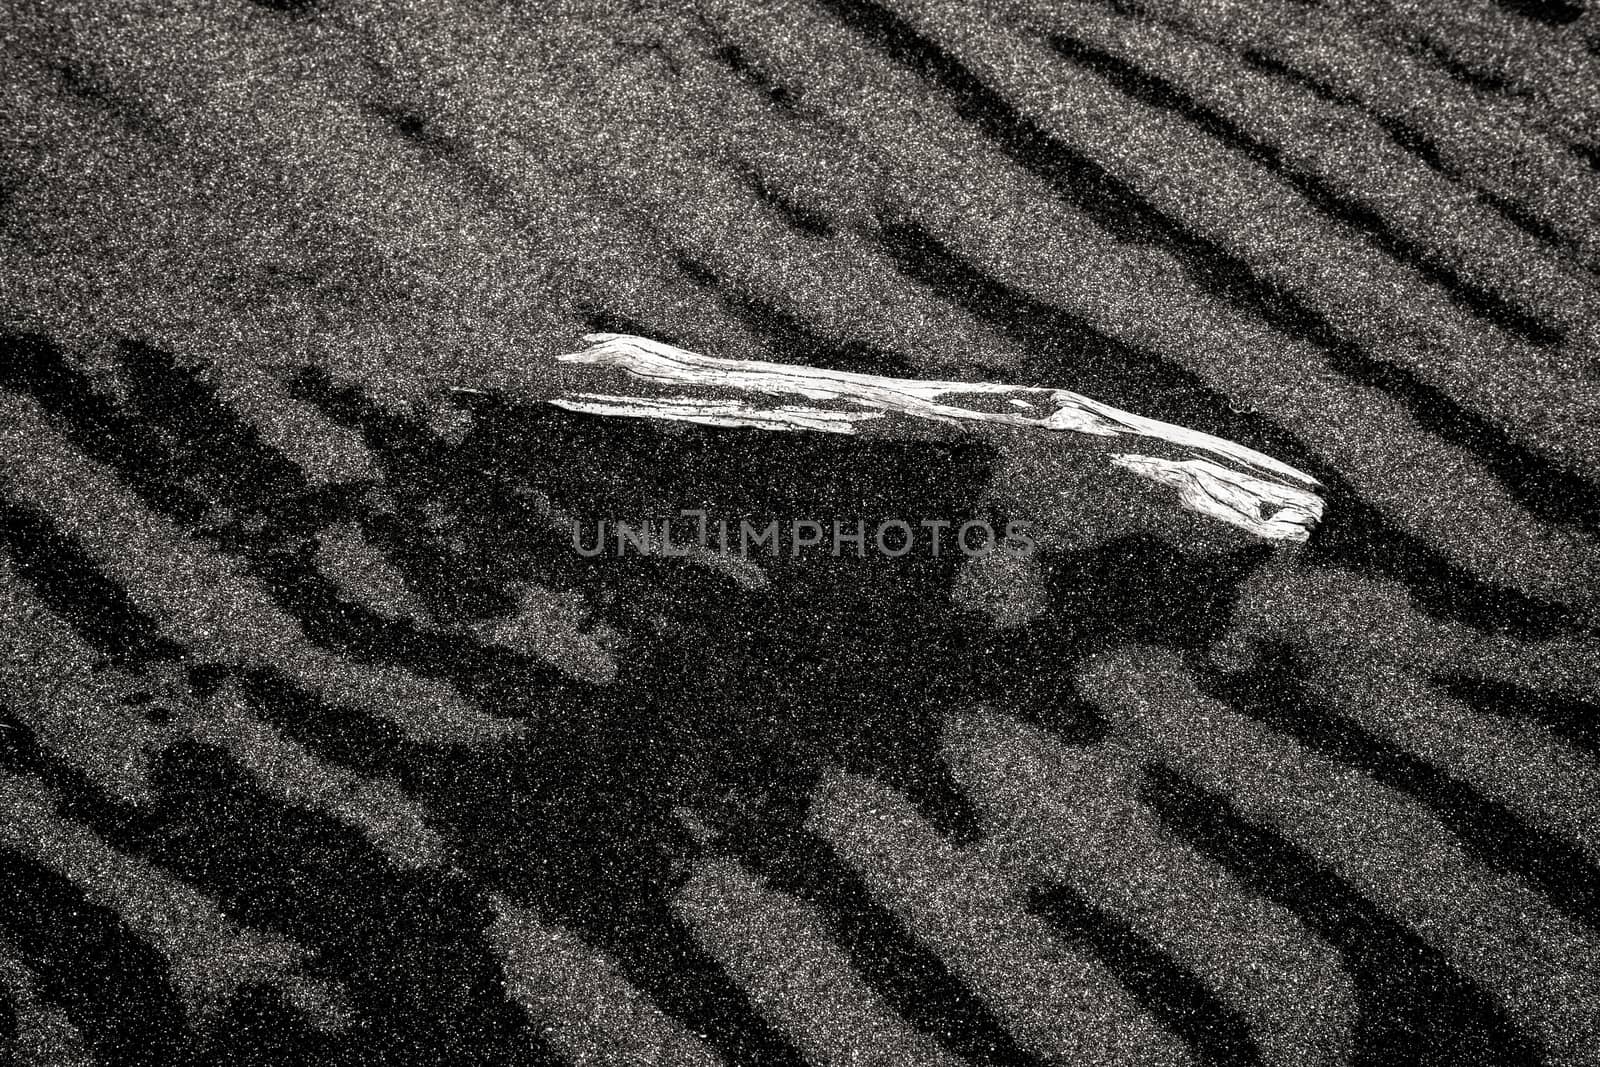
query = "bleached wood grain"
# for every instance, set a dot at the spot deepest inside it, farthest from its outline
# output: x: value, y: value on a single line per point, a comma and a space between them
x: 1253, y: 491
x: 1265, y: 508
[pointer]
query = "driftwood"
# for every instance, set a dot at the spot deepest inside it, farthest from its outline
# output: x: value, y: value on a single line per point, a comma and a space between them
x: 1212, y: 476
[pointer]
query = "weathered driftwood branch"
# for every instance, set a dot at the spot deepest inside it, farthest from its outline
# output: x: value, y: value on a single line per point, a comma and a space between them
x: 1263, y: 507
x: 1219, y: 478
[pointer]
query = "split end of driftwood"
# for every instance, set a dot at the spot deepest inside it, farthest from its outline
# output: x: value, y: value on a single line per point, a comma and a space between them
x: 1213, y: 476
